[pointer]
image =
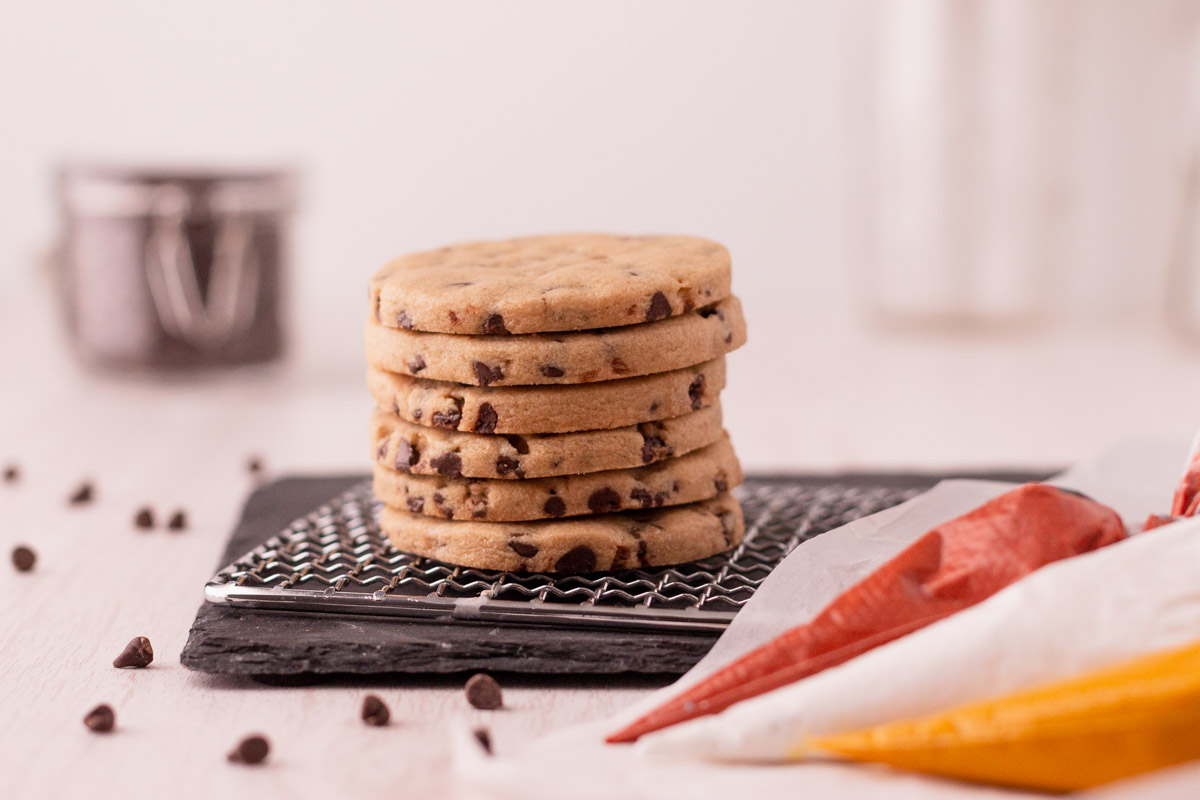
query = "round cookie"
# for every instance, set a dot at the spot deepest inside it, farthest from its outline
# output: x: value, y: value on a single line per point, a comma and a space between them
x: 548, y: 409
x: 408, y: 447
x: 576, y: 357
x: 697, y: 476
x: 566, y: 282
x: 583, y: 544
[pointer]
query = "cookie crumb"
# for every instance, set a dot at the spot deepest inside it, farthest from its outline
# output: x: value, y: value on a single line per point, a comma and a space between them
x: 483, y: 692
x: 138, y: 653
x: 254, y: 465
x: 23, y: 558
x: 144, y: 520
x: 251, y: 750
x: 12, y: 473
x: 484, y: 738
x: 85, y: 494
x: 101, y: 719
x: 375, y: 711
x: 178, y: 521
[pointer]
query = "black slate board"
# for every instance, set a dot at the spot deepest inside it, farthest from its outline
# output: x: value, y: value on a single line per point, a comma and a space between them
x: 239, y: 641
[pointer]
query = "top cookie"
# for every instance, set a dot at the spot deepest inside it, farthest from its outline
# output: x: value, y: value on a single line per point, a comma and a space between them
x: 550, y: 283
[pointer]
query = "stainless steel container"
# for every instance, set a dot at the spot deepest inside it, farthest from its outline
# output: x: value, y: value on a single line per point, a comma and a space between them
x: 169, y: 270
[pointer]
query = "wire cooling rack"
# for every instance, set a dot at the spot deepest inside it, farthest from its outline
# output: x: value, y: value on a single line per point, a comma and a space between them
x: 336, y: 560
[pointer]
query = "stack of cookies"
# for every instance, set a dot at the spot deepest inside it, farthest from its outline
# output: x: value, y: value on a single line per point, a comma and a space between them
x: 551, y: 404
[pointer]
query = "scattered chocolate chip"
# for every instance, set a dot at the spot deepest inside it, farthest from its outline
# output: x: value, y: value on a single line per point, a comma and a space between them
x: 448, y: 419
x: 727, y: 526
x: 577, y: 559
x: 406, y: 456
x: 487, y: 375
x: 654, y: 407
x: 375, y: 711
x: 555, y: 507
x: 138, y: 653
x: 604, y: 500
x: 660, y: 307
x: 416, y: 414
x: 654, y: 449
x: 178, y: 521
x: 101, y: 719
x: 403, y: 320
x: 438, y: 499
x: 378, y: 302
x: 688, y: 305
x: 254, y: 465
x: 483, y: 692
x: 505, y: 465
x: 641, y: 554
x: 416, y: 504
x: 619, y: 367
x: 696, y: 392
x: 416, y: 365
x: 251, y: 750
x: 85, y: 494
x: 552, y: 372
x: 523, y: 549
x: 519, y: 443
x: 23, y: 558
x: 707, y: 311
x: 448, y: 464
x: 12, y: 474
x: 621, y: 557
x: 494, y: 324
x: 728, y: 338
x: 721, y: 482
x: 485, y: 739
x: 381, y: 451
x: 487, y: 419
x: 453, y: 317
x: 646, y: 499
x: 144, y: 519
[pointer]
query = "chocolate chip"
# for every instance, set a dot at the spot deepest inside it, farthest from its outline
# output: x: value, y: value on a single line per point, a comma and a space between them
x: 646, y: 499
x: 688, y: 305
x: 721, y: 482
x: 375, y: 712
x: 487, y: 375
x: 448, y: 464
x: 642, y: 561
x: 144, y: 519
x: 505, y: 465
x: 552, y: 372
x: 438, y: 499
x: 707, y: 311
x: 453, y: 317
x: 621, y: 557
x: 251, y: 750
x: 519, y: 443
x: 696, y: 392
x: 660, y: 307
x: 381, y: 451
x: 416, y: 414
x: 406, y: 456
x: 12, y: 474
x: 483, y: 692
x: 101, y: 719
x: 619, y: 367
x: 178, y: 521
x: 416, y: 504
x: 484, y: 738
x: 23, y: 558
x: 728, y: 338
x: 654, y: 448
x: 555, y: 507
x: 727, y: 526
x: 494, y: 324
x: 416, y: 365
x: 654, y: 407
x: 487, y: 419
x: 577, y: 559
x: 138, y: 653
x: 403, y: 320
x: 604, y: 500
x: 461, y: 283
x: 83, y: 495
x: 448, y: 419
x: 378, y: 303
x: 523, y: 549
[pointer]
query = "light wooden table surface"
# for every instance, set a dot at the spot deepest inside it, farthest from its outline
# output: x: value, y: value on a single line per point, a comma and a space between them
x: 796, y: 400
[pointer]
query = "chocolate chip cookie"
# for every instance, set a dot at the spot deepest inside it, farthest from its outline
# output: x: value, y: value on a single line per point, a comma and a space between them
x: 550, y: 283
x: 408, y: 447
x: 696, y: 476
x: 700, y: 335
x: 584, y: 544
x: 548, y: 409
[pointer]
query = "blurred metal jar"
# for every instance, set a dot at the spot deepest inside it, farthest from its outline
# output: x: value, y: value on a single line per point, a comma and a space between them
x: 170, y: 270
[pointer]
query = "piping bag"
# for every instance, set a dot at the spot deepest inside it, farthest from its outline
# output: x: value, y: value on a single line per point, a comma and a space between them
x: 952, y: 567
x: 1067, y: 736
